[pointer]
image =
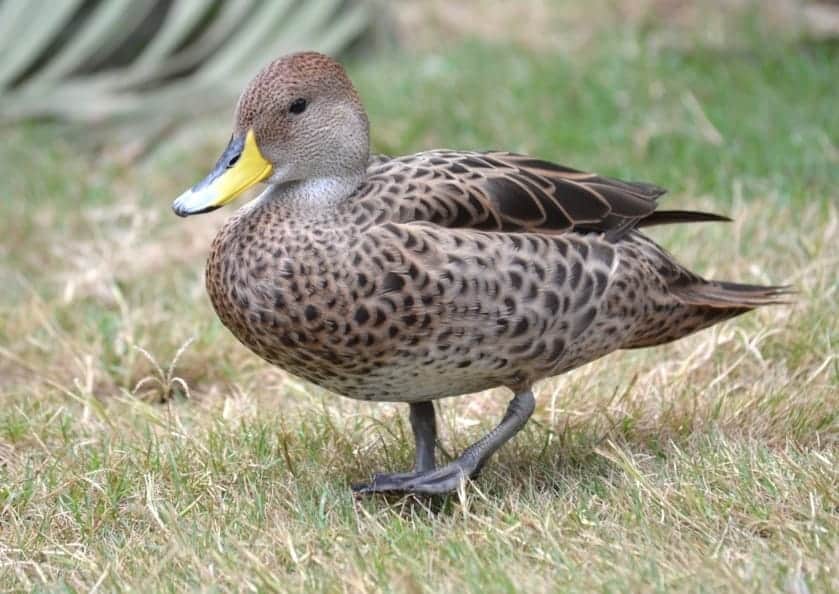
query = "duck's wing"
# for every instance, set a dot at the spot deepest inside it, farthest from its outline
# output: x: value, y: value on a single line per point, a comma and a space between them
x: 497, y: 191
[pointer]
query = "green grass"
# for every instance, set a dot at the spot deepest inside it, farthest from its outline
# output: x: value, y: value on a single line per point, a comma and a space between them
x: 705, y: 465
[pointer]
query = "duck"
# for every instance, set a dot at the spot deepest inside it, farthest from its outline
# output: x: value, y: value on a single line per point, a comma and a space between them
x: 437, y: 274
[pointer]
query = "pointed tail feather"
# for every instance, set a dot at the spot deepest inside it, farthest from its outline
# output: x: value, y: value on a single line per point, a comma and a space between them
x: 669, y: 217
x: 705, y: 303
x: 722, y: 294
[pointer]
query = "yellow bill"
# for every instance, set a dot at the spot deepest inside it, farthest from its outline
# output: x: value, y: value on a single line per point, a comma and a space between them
x: 240, y: 166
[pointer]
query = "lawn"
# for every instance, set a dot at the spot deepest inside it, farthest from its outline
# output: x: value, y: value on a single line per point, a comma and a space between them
x: 143, y: 449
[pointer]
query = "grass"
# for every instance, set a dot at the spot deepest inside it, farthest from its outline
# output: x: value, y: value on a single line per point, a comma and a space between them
x: 143, y: 449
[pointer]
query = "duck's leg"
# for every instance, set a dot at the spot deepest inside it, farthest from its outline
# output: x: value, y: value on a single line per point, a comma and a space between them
x: 424, y: 425
x: 449, y: 477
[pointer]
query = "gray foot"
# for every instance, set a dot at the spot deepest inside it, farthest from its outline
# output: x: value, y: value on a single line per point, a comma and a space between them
x: 428, y: 482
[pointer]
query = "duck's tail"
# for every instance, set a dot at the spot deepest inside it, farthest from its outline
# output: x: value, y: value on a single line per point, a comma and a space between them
x: 700, y: 304
x: 726, y: 295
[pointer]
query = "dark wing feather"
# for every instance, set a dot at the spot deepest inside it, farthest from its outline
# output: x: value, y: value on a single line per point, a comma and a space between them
x: 496, y: 191
x: 669, y: 217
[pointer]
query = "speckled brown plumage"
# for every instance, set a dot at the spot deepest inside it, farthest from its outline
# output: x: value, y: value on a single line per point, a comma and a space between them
x: 445, y: 272
x: 451, y: 272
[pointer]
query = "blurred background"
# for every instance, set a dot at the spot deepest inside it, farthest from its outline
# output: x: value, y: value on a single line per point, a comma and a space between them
x: 165, y: 63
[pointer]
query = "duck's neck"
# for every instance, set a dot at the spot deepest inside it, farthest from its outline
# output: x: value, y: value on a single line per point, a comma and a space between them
x: 313, y: 195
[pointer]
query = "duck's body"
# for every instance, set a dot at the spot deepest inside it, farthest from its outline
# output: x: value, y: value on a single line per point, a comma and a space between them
x: 397, y: 295
x: 436, y: 274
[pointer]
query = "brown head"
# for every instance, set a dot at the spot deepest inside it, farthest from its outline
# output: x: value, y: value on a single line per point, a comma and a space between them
x: 300, y: 118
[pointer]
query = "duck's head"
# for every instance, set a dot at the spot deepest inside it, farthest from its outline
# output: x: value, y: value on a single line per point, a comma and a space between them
x: 299, y: 119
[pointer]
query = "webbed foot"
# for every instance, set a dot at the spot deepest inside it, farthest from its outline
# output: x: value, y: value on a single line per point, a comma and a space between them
x: 428, y: 482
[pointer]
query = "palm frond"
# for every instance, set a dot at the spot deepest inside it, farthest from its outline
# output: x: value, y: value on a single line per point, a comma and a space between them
x: 97, y: 60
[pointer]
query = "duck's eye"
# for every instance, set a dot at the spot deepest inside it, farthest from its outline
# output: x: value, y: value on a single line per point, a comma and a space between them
x: 297, y: 106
